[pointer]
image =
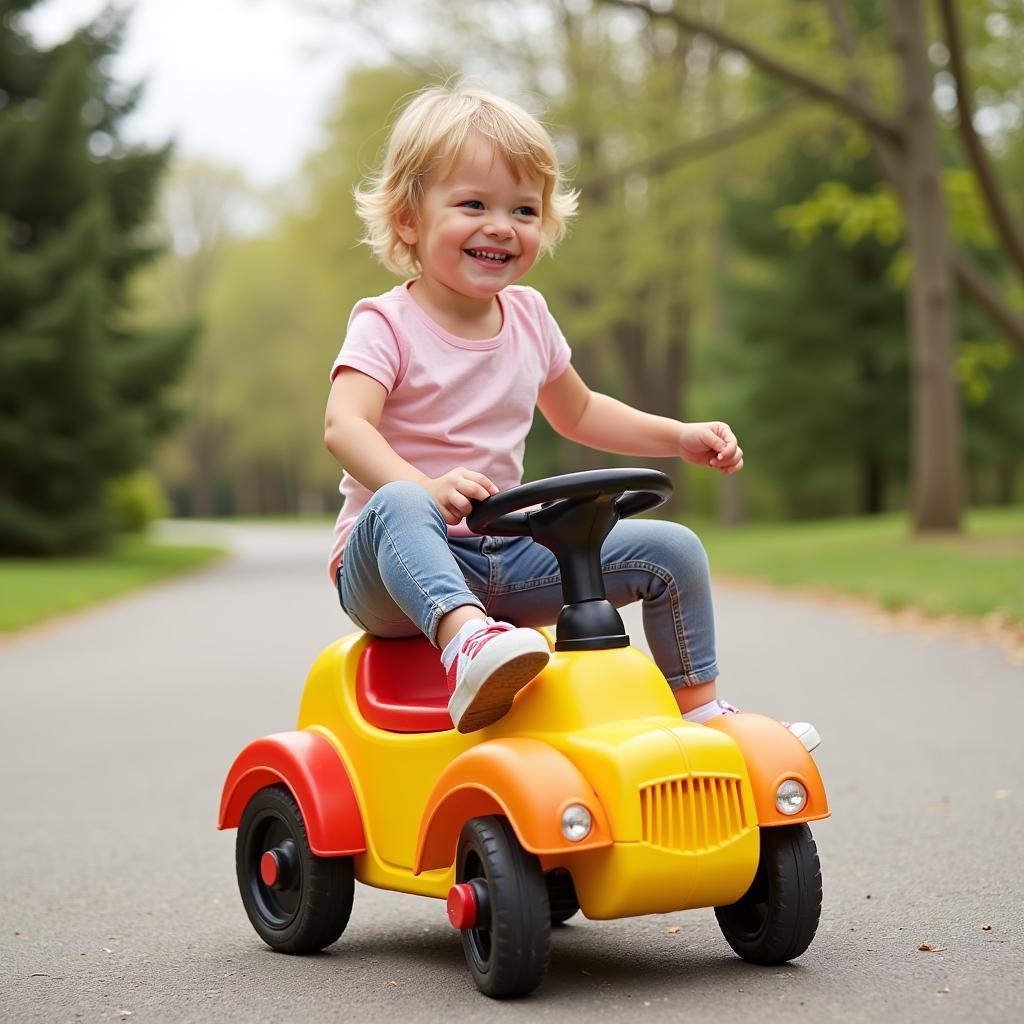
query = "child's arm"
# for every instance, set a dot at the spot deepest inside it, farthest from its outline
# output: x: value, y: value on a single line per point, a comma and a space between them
x: 609, y: 425
x: 354, y: 408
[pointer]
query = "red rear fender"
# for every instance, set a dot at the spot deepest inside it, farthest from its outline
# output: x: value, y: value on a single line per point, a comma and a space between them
x: 310, y: 767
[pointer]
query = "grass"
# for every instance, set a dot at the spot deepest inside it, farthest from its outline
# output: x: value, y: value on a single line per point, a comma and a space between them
x: 32, y: 589
x: 976, y: 574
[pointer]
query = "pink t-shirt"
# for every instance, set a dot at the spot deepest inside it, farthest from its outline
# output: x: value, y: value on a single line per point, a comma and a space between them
x: 451, y: 402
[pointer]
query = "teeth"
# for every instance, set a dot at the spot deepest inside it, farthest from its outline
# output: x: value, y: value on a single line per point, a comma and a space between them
x: 496, y: 257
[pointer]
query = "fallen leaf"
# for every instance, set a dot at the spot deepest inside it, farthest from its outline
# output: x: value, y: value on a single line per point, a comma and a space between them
x: 927, y: 947
x: 986, y: 927
x: 392, y: 984
x: 673, y: 931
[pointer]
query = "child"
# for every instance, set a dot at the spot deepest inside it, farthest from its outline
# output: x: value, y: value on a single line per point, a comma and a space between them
x: 433, y: 394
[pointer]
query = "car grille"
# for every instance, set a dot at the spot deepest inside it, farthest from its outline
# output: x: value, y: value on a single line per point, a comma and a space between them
x: 693, y: 812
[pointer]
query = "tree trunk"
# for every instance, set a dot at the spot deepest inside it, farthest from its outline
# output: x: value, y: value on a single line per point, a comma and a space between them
x: 936, y: 459
x: 1006, y: 482
x: 203, y: 482
x: 872, y: 482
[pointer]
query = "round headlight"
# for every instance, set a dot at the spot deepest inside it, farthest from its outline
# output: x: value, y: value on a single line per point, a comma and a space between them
x: 790, y: 797
x: 576, y: 822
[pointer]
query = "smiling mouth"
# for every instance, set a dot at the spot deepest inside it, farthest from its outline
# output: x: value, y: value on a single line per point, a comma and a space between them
x: 490, y: 256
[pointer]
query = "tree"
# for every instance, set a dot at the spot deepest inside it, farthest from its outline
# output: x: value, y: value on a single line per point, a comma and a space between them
x: 200, y: 204
x: 818, y: 329
x: 82, y: 396
x: 908, y: 152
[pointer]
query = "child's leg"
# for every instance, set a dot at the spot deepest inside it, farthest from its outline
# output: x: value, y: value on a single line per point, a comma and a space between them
x: 399, y: 574
x: 661, y: 564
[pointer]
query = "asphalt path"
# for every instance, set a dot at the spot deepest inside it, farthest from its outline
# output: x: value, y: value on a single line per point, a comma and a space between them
x: 119, y: 899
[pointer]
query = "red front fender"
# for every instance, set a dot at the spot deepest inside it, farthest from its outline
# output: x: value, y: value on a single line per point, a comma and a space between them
x: 311, y: 768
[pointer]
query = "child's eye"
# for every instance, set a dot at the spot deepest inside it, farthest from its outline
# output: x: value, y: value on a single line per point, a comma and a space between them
x: 525, y: 211
x: 473, y: 204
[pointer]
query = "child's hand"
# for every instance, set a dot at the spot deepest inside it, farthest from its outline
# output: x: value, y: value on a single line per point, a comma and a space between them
x: 453, y: 491
x: 711, y: 444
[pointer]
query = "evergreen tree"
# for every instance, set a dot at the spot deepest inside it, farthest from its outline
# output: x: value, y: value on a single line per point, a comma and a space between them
x: 820, y: 341
x: 83, y: 396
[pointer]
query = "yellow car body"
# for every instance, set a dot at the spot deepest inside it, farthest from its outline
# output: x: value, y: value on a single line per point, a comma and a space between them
x: 676, y: 807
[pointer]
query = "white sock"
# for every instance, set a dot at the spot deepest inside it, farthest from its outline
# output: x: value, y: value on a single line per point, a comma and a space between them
x: 701, y: 714
x: 465, y: 632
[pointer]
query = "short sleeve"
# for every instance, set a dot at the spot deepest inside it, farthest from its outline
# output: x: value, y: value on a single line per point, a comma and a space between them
x: 558, y: 352
x: 372, y: 347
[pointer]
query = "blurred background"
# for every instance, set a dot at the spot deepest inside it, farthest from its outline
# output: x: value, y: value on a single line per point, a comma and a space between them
x: 805, y: 217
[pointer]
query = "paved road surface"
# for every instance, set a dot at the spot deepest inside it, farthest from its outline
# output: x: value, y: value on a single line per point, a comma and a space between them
x: 119, y: 898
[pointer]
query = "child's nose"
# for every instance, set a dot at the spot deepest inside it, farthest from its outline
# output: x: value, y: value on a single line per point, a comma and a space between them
x: 499, y: 227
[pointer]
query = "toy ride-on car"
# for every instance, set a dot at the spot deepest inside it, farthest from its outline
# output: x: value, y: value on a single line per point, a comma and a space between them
x: 592, y: 794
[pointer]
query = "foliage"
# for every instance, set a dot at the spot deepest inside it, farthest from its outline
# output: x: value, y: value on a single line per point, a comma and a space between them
x: 136, y: 501
x: 639, y: 286
x: 819, y: 336
x: 83, y: 396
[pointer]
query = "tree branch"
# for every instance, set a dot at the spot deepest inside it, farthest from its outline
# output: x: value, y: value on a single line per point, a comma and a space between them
x: 845, y: 101
x: 889, y: 157
x: 999, y: 210
x: 975, y: 285
x: 692, y: 149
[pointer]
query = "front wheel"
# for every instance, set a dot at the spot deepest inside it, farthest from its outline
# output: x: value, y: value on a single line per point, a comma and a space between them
x: 508, y: 949
x: 297, y: 902
x: 775, y: 920
x: 561, y: 896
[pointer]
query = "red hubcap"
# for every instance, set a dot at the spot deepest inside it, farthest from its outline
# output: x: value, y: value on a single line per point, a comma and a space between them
x: 269, y: 870
x: 462, y: 906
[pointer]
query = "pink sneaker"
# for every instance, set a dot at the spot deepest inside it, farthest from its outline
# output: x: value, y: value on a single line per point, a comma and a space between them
x: 489, y: 668
x: 805, y: 733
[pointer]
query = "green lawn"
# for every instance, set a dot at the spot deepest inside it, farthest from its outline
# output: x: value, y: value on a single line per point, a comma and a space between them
x: 979, y: 573
x: 34, y: 589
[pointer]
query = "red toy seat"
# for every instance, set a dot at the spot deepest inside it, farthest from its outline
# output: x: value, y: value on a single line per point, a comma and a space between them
x: 401, y: 686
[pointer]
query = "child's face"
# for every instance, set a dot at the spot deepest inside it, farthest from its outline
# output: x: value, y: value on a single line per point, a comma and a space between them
x: 478, y: 229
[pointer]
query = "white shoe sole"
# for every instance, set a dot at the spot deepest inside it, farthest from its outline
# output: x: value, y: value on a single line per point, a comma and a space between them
x: 806, y: 734
x: 497, y: 674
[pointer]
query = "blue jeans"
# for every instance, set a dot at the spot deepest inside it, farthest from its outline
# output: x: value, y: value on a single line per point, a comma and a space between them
x: 401, y: 574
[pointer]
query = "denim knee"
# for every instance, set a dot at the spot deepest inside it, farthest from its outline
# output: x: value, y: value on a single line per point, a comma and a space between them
x: 403, y: 497
x: 683, y: 556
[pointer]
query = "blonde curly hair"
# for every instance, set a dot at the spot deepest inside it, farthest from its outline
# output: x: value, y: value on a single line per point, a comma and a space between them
x: 428, y: 136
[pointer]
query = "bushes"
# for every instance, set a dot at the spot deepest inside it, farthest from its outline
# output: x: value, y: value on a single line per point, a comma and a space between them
x: 133, y: 502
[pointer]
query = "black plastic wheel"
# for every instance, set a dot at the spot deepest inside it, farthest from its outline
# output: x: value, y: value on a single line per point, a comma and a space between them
x: 561, y: 896
x: 308, y: 906
x: 777, y: 917
x: 509, y: 949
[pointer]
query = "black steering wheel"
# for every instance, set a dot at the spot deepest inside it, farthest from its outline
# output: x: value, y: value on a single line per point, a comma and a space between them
x: 631, y: 491
x: 577, y: 511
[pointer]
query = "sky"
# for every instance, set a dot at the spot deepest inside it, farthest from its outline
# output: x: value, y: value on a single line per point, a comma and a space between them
x: 239, y: 82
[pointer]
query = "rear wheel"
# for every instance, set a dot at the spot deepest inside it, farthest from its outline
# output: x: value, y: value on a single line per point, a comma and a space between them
x: 508, y: 950
x: 775, y: 920
x: 296, y: 901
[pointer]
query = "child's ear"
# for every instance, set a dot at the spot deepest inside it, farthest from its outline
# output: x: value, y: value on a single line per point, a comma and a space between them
x: 405, y: 225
